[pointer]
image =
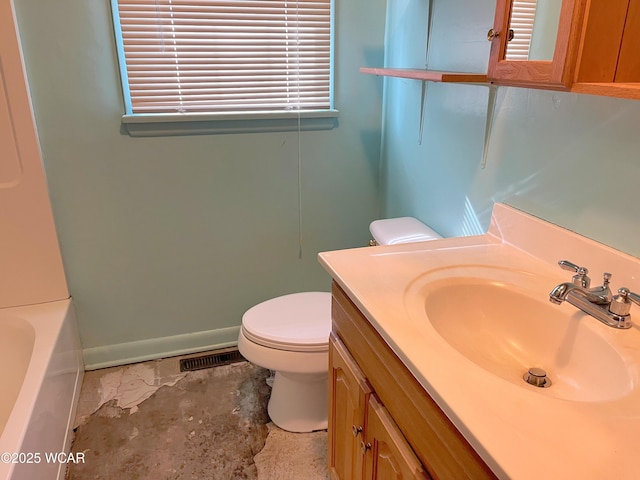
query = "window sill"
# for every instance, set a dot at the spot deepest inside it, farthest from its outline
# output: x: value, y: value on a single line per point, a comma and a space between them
x: 161, y: 125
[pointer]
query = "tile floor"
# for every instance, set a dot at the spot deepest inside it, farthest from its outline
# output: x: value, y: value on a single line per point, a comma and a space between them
x: 151, y: 421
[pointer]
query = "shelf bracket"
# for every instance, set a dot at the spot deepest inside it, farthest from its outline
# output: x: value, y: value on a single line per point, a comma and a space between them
x: 491, y: 108
x: 423, y: 108
x: 423, y: 94
x: 429, y: 29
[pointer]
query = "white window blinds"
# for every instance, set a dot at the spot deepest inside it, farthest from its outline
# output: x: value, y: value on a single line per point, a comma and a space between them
x: 223, y: 56
x: 523, y: 14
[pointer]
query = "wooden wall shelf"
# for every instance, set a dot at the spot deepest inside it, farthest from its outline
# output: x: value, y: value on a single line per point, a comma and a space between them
x: 620, y: 90
x: 427, y: 75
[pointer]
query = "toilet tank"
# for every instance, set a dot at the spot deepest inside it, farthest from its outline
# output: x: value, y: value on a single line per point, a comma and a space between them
x: 392, y: 231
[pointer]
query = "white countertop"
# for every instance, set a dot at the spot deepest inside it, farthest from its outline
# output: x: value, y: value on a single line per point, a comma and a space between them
x: 520, y: 431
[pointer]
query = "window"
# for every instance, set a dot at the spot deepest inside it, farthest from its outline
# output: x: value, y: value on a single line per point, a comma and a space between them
x: 191, y: 60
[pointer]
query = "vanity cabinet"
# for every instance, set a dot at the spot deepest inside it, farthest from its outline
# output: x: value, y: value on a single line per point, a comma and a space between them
x: 387, y: 453
x: 349, y: 395
x: 382, y: 422
x: 364, y: 441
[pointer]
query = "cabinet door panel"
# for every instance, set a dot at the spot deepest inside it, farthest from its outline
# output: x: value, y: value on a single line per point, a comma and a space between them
x: 557, y: 73
x: 388, y: 456
x: 629, y: 62
x: 599, y: 51
x: 348, y: 396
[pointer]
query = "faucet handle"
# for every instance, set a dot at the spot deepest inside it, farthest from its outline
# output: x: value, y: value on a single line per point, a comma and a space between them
x: 580, y: 278
x: 629, y: 295
x: 572, y: 267
x: 621, y: 303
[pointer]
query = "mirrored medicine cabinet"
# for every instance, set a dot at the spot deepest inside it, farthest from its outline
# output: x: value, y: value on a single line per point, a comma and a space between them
x: 585, y: 46
x: 533, y: 42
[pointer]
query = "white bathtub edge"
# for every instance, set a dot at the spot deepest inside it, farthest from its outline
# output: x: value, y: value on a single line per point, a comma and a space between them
x: 43, y: 415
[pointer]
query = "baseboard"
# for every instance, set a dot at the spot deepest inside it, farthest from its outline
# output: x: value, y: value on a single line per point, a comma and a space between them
x: 142, y: 350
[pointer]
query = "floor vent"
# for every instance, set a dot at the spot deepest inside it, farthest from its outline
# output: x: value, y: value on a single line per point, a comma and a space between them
x: 223, y: 357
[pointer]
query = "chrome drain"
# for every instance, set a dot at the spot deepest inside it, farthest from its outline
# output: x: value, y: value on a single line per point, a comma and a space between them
x: 537, y: 377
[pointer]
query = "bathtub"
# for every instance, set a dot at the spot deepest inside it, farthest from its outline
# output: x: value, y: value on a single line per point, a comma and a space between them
x: 40, y: 377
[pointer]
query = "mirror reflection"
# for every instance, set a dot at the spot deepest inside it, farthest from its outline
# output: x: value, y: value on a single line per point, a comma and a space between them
x: 533, y: 27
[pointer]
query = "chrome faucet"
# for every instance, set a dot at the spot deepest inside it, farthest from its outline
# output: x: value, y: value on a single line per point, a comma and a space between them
x: 580, y: 285
x: 597, y: 302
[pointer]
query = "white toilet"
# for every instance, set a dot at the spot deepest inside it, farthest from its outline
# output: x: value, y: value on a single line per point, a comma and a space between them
x: 290, y: 335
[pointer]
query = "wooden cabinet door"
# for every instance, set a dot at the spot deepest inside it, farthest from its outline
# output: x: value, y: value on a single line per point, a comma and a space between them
x: 388, y: 455
x: 555, y: 73
x: 610, y: 43
x: 348, y: 396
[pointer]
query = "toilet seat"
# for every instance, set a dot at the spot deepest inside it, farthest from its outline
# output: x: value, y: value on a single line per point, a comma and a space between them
x: 298, y: 322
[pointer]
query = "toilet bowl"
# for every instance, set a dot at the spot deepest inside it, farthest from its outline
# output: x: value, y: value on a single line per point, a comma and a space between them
x: 290, y: 335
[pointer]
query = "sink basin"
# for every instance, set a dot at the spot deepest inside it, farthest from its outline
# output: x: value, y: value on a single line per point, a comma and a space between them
x: 505, y: 329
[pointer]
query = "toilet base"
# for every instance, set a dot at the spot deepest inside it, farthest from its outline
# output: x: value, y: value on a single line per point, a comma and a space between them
x: 299, y: 402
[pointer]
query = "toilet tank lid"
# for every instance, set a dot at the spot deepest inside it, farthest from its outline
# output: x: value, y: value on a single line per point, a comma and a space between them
x: 391, y: 231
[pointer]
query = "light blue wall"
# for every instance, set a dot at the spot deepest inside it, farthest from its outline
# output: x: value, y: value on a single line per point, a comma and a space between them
x: 570, y: 159
x: 167, y: 241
